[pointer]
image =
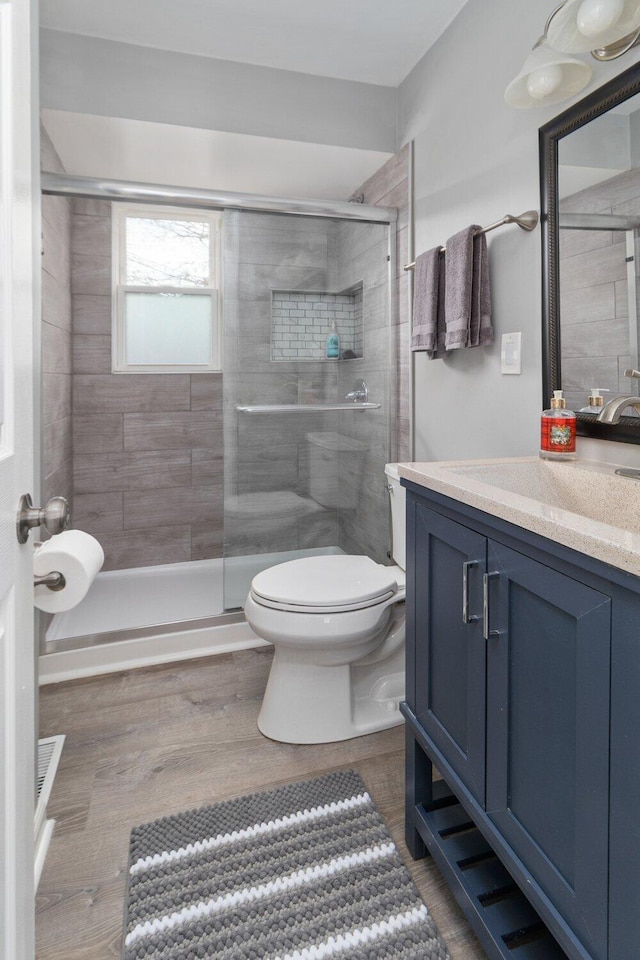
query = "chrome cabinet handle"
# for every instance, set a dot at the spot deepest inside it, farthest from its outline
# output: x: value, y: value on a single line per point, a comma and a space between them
x: 54, y: 516
x: 466, y: 616
x: 487, y: 633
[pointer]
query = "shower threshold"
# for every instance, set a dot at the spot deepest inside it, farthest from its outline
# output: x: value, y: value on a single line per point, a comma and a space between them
x: 150, y: 615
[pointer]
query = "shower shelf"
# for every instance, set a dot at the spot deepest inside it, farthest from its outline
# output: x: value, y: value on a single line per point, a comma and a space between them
x: 305, y: 407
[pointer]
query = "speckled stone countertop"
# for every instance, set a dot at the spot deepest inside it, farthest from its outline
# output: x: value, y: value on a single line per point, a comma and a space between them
x: 581, y: 504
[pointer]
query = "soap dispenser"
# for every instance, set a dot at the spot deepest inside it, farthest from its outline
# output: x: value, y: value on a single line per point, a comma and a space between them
x: 333, y: 343
x: 596, y: 401
x: 558, y: 430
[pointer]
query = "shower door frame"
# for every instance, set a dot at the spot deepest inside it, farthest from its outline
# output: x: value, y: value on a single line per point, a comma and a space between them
x: 129, y: 191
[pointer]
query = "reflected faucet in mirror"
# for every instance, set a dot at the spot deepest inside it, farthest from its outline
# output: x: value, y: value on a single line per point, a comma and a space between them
x: 612, y: 411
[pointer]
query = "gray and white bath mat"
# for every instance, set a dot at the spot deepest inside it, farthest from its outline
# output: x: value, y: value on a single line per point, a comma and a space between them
x: 303, y: 872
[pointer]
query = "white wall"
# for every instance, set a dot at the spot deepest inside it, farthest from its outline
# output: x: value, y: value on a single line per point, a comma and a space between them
x: 91, y: 75
x: 120, y: 149
x: 476, y: 160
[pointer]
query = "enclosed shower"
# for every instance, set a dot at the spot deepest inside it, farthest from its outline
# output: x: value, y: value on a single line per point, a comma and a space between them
x: 194, y: 478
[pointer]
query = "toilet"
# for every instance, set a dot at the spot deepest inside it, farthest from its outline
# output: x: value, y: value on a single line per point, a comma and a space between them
x: 338, y: 627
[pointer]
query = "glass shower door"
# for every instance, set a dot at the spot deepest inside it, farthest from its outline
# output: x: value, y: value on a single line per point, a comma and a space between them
x: 295, y: 467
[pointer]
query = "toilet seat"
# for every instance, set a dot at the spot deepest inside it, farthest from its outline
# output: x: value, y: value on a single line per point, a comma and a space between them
x: 328, y: 584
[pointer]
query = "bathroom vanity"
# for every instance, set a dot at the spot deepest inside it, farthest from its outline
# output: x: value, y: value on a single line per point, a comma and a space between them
x: 523, y: 690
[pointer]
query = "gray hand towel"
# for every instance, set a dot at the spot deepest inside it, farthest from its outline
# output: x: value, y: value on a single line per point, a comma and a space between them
x: 480, y: 328
x: 426, y: 296
x: 459, y: 287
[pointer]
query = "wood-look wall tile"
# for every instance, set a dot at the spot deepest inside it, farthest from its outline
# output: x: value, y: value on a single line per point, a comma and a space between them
x: 56, y: 396
x: 143, y: 548
x: 193, y: 505
x: 56, y: 349
x: 207, y: 466
x: 206, y: 391
x: 172, y: 431
x: 596, y: 267
x: 255, y: 282
x: 56, y: 302
x: 587, y: 304
x: 91, y: 314
x: 59, y: 483
x: 89, y: 207
x: 101, y: 433
x: 386, y: 177
x: 90, y: 274
x: 56, y: 257
x: 605, y: 339
x: 207, y: 541
x: 91, y: 354
x: 98, y: 512
x: 56, y: 214
x: 91, y: 235
x: 131, y: 393
x: 56, y: 444
x: 142, y: 470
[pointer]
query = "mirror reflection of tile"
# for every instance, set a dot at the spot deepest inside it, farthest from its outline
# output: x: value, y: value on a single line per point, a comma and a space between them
x: 598, y: 289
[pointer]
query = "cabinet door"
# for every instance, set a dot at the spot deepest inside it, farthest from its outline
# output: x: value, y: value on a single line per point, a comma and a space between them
x: 449, y: 652
x: 548, y: 656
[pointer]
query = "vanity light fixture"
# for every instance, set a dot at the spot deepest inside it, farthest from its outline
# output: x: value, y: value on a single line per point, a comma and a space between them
x: 607, y: 28
x: 547, y: 77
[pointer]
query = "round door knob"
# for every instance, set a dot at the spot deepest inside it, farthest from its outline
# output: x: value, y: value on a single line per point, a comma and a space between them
x: 54, y: 516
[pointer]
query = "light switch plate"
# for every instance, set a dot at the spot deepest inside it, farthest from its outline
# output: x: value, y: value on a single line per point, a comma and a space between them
x: 510, y: 355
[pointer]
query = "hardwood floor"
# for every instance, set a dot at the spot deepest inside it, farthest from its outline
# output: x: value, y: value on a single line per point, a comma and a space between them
x: 147, y: 743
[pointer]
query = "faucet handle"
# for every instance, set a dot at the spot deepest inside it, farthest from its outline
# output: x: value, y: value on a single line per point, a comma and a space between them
x: 634, y: 374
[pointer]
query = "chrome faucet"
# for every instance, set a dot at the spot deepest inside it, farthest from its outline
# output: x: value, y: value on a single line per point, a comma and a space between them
x: 612, y: 411
x: 360, y: 392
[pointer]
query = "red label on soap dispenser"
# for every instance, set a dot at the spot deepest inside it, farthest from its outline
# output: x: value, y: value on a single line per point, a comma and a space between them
x: 558, y: 434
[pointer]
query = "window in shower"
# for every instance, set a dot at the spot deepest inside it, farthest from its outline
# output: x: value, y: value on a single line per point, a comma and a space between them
x: 166, y: 290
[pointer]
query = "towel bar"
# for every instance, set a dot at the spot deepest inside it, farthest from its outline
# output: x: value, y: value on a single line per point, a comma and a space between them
x: 527, y: 220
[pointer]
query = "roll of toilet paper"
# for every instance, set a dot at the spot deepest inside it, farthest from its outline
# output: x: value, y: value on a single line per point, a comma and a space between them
x: 78, y: 557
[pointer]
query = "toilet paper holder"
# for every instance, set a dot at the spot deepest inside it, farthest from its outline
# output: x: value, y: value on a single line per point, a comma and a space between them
x: 53, y: 580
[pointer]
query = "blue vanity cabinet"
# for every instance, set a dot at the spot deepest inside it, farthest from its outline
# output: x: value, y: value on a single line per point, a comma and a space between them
x: 450, y: 561
x: 513, y: 708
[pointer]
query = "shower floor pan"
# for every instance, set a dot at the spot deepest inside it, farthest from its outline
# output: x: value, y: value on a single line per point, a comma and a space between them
x: 142, y: 602
x: 141, y: 597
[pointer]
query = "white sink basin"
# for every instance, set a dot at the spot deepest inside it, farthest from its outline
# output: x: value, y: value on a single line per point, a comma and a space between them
x: 590, y: 490
x: 581, y: 504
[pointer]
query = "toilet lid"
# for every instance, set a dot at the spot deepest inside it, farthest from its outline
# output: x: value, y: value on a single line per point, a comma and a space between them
x: 325, y: 582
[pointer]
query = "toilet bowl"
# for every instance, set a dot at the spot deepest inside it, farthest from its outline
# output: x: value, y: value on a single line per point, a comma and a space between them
x: 337, y: 624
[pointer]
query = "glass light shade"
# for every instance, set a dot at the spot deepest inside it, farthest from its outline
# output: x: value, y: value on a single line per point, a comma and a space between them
x: 547, y: 77
x: 583, y: 25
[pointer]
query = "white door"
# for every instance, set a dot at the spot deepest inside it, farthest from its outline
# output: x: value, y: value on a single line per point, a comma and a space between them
x: 18, y: 179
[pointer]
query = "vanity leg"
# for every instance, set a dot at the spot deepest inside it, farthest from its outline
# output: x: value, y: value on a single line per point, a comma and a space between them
x: 418, y: 789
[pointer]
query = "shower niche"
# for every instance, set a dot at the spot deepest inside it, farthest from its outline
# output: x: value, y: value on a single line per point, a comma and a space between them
x: 301, y: 321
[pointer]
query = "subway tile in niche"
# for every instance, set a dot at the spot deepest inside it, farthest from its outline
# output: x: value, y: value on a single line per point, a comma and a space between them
x: 302, y: 321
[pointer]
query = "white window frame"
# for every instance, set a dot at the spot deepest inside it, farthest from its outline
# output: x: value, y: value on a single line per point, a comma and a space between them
x: 120, y: 287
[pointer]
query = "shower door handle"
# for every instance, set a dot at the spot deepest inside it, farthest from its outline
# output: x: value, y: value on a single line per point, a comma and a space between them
x: 54, y: 516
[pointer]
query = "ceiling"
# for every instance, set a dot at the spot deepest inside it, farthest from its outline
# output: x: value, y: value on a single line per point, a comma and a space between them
x: 372, y: 41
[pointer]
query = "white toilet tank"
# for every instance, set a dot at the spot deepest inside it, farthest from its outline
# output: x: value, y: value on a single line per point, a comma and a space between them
x: 397, y: 496
x: 330, y: 454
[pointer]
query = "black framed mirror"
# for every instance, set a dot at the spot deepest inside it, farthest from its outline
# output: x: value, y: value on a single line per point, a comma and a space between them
x: 590, y: 217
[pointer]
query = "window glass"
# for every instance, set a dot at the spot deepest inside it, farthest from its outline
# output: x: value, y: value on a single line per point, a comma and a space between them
x: 174, y: 253
x: 168, y: 328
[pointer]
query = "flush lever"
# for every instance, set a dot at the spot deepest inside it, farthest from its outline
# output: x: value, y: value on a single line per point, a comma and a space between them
x: 54, y: 516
